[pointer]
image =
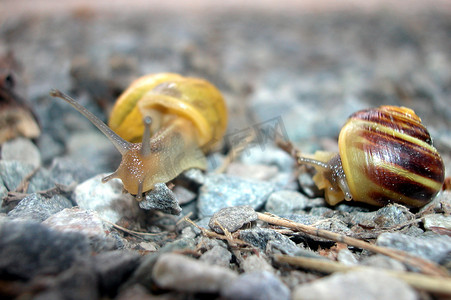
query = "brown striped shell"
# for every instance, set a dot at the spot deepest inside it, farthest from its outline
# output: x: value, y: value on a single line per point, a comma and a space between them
x: 385, y: 156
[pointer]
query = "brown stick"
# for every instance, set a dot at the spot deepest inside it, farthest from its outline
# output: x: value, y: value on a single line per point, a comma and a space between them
x: 425, y: 266
x: 427, y: 283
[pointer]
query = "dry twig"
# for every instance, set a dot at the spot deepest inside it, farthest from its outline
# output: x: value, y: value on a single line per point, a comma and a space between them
x: 427, y: 283
x: 425, y: 266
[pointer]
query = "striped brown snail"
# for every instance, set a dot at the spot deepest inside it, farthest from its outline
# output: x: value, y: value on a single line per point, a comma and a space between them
x: 385, y: 156
x: 177, y: 119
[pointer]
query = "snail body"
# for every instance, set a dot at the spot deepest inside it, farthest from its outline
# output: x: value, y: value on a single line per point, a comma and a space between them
x: 385, y: 156
x: 177, y: 119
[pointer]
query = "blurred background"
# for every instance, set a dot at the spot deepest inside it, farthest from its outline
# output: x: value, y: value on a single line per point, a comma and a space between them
x: 307, y: 64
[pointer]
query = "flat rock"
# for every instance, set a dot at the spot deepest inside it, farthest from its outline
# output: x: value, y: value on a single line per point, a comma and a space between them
x: 113, y: 268
x: 355, y: 285
x: 181, y: 273
x: 79, y: 220
x: 387, y: 216
x: 256, y: 263
x: 106, y: 198
x: 269, y: 240
x: 256, y: 286
x: 13, y: 172
x: 435, y: 247
x: 23, y: 150
x: 78, y: 282
x: 161, y: 198
x: 38, y: 208
x: 232, y: 218
x: 218, y: 256
x: 221, y: 191
x: 286, y: 202
x: 437, y: 220
x: 22, y: 244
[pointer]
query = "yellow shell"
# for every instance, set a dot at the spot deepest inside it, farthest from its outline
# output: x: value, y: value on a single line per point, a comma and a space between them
x: 165, y: 96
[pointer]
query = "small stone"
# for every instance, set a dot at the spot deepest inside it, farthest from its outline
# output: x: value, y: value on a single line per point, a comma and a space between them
x: 183, y: 195
x: 308, y: 186
x: 13, y: 172
x: 78, y: 282
x: 435, y: 248
x: 171, y: 272
x: 269, y: 240
x: 113, y: 268
x: 383, y: 262
x: 79, y: 220
x: 256, y: 286
x: 194, y: 175
x: 106, y: 198
x: 218, y: 256
x: 188, y: 232
x: 22, y: 246
x: 23, y: 150
x: 256, y: 263
x: 437, y: 220
x: 286, y: 202
x: 161, y: 198
x: 221, y: 191
x: 387, y: 216
x: 346, y: 257
x: 232, y: 218
x: 135, y: 292
x: 67, y: 171
x: 269, y: 155
x: 38, y: 208
x: 371, y: 285
x: 257, y: 172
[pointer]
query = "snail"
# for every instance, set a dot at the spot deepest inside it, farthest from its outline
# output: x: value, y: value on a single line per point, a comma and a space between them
x: 177, y: 118
x: 385, y: 156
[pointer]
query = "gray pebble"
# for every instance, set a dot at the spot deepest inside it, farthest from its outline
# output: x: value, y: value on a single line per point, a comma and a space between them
x: 13, y: 172
x: 437, y: 220
x: 256, y: 286
x: 78, y: 282
x: 22, y: 247
x: 38, y: 208
x: 182, y: 273
x: 113, y: 268
x: 79, y: 220
x: 387, y: 216
x: 308, y: 185
x: 434, y: 248
x: 183, y: 195
x: 268, y: 240
x: 346, y: 257
x: 286, y: 202
x: 221, y: 191
x: 383, y: 262
x: 23, y: 150
x: 161, y: 198
x: 371, y: 285
x: 269, y: 155
x: 257, y: 172
x: 106, y: 198
x: 67, y: 171
x: 256, y: 263
x: 218, y: 256
x: 232, y: 218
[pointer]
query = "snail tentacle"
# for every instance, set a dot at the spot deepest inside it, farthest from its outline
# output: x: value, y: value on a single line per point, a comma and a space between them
x: 121, y: 145
x: 145, y: 148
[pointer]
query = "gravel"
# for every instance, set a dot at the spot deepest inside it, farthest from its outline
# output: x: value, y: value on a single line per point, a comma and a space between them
x: 66, y: 235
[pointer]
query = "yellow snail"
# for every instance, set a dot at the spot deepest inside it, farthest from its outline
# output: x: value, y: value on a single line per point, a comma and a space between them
x: 177, y: 119
x: 385, y: 156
